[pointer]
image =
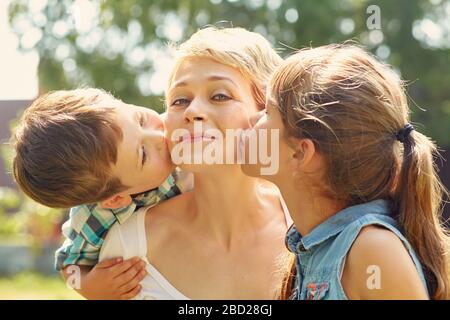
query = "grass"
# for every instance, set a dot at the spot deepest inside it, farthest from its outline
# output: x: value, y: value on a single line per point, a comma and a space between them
x: 34, y: 286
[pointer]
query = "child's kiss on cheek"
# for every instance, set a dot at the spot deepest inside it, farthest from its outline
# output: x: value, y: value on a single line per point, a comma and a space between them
x: 143, y: 158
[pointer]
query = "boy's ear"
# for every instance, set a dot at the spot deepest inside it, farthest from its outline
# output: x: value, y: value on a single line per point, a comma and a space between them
x: 116, y: 201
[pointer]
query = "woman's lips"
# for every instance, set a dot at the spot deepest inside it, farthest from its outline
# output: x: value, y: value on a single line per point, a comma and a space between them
x: 193, y: 138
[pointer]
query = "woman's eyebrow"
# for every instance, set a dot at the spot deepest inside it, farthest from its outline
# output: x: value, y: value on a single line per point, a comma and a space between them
x: 221, y: 78
x: 179, y: 84
x: 211, y: 78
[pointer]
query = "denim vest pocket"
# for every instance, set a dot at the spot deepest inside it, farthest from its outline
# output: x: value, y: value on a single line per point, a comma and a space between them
x: 316, y: 290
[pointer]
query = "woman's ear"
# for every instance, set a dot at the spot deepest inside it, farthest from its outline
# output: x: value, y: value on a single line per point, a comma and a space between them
x: 116, y: 201
x: 304, y: 155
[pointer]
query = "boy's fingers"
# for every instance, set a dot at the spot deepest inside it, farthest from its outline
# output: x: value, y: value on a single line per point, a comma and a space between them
x: 120, y: 268
x: 131, y: 273
x: 109, y: 263
x: 133, y: 293
x: 133, y: 283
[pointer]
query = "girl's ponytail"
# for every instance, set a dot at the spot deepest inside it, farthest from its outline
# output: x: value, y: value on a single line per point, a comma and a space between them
x: 418, y: 199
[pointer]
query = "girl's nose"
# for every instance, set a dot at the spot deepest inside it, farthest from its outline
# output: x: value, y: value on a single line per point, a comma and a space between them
x: 255, y: 118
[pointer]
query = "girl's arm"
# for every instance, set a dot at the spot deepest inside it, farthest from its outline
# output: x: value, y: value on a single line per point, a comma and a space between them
x: 378, y: 266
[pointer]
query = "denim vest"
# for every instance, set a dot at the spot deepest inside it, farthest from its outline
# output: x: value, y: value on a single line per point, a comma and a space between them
x: 320, y: 255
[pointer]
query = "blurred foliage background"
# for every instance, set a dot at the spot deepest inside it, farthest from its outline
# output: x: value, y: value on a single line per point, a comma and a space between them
x: 121, y: 46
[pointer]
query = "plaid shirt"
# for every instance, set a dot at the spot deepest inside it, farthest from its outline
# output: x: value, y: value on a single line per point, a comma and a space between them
x: 88, y: 225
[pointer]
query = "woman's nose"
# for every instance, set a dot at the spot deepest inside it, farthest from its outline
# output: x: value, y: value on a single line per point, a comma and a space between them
x: 195, y: 112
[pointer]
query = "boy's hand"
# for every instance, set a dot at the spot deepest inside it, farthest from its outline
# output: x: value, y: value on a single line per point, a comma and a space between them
x: 113, y: 279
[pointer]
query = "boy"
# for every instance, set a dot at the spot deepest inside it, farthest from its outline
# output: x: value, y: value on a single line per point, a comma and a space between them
x: 87, y: 150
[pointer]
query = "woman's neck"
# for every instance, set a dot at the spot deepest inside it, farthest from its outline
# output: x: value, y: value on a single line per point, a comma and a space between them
x: 229, y: 204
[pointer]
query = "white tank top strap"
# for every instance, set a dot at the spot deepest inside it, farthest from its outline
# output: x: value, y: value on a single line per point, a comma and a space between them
x: 287, y: 216
x: 131, y: 233
x: 159, y: 286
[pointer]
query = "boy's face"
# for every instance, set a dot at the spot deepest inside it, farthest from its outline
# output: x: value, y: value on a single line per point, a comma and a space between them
x: 143, y: 158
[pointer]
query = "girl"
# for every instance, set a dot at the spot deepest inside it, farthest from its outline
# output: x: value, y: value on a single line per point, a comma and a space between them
x: 358, y: 180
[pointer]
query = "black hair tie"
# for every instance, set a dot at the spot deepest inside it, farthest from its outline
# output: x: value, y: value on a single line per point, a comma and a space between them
x: 403, y: 134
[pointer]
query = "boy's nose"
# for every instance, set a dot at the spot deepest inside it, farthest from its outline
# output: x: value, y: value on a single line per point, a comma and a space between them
x: 153, y: 133
x: 154, y: 139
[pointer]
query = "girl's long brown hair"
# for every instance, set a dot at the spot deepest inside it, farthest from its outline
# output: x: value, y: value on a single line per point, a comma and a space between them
x: 351, y: 106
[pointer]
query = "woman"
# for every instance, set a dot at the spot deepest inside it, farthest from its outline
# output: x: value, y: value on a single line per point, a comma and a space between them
x: 224, y: 239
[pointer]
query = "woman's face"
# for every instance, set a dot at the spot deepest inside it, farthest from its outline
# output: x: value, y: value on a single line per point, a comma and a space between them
x: 204, y: 99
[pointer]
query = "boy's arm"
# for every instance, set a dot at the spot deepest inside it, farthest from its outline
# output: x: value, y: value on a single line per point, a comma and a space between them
x: 77, y: 258
x: 111, y: 279
x: 88, y: 225
x: 84, y: 233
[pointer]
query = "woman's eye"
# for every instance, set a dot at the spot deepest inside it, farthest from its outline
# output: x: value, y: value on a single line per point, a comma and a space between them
x: 180, y: 102
x: 221, y: 97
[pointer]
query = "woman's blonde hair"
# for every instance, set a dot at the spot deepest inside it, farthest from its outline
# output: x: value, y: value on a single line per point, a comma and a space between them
x: 351, y: 106
x: 247, y: 51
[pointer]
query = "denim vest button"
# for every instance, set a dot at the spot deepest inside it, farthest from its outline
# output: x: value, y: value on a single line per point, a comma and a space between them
x: 301, y: 247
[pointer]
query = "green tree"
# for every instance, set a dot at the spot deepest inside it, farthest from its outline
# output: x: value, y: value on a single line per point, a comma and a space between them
x: 21, y: 218
x: 121, y: 44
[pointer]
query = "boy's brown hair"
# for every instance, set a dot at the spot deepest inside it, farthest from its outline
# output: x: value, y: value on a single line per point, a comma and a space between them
x: 65, y: 145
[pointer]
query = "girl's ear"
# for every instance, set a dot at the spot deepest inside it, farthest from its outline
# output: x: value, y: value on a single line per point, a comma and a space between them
x: 116, y: 201
x: 304, y: 155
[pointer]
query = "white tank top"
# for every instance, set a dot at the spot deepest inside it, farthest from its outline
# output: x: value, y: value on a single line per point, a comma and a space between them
x: 129, y: 240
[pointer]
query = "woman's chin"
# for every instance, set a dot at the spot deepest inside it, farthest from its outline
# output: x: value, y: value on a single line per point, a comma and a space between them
x: 211, y: 168
x: 251, y: 170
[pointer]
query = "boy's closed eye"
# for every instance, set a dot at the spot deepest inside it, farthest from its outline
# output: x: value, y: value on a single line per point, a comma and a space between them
x: 144, y: 156
x: 142, y: 120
